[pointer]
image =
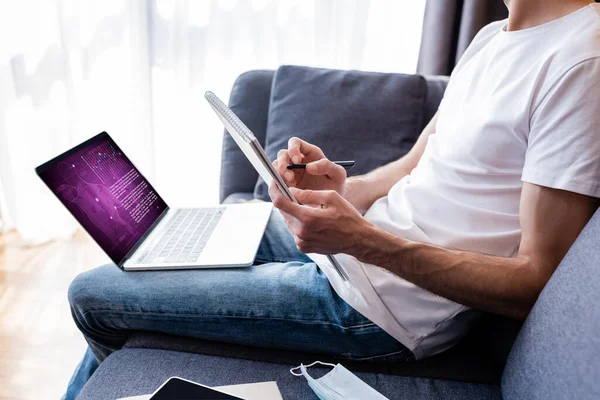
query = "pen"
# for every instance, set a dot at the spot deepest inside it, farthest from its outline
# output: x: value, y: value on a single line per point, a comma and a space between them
x: 345, y: 164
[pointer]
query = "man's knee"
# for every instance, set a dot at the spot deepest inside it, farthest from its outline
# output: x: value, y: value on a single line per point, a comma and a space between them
x: 85, y: 291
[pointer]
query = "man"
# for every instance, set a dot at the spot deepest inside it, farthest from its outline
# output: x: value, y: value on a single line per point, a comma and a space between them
x: 477, y: 216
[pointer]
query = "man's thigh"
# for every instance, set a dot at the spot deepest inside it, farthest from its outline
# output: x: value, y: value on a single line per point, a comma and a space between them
x: 278, y: 305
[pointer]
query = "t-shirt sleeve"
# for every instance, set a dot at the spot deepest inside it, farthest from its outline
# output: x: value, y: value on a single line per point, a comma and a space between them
x: 563, y: 150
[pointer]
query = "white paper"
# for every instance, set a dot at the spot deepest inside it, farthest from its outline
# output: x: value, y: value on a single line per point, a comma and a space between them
x: 254, y: 391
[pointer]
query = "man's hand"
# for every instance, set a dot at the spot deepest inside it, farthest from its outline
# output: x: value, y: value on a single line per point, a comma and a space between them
x: 323, y: 223
x: 320, y: 173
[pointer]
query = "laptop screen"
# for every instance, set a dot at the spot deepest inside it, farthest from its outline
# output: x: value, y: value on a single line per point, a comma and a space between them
x: 105, y: 192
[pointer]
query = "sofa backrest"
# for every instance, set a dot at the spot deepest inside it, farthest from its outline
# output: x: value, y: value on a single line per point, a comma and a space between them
x: 557, y: 352
x: 249, y: 99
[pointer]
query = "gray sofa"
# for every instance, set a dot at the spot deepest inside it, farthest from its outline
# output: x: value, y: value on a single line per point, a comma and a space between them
x: 556, y: 354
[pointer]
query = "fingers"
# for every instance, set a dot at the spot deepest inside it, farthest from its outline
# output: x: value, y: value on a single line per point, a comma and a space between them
x: 283, y: 160
x: 315, y: 198
x: 299, y: 151
x: 283, y: 203
x: 313, y: 229
x: 326, y: 167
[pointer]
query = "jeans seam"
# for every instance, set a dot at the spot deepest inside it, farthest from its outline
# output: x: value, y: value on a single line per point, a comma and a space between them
x: 190, y: 315
x: 273, y: 260
x: 399, y: 352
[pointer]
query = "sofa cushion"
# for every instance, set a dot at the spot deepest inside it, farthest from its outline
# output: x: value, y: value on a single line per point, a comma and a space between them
x: 436, y: 87
x: 132, y: 372
x: 557, y: 352
x: 369, y: 117
x: 469, y: 361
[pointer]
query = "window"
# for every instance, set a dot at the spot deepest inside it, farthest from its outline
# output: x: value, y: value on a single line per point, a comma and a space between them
x: 138, y: 69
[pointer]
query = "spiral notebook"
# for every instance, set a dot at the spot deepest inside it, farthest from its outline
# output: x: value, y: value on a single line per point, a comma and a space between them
x: 254, y: 152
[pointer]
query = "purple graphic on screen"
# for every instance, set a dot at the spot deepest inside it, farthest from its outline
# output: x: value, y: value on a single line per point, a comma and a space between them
x: 106, y: 194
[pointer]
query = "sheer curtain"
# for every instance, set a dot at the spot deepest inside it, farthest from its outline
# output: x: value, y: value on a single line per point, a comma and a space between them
x: 138, y: 69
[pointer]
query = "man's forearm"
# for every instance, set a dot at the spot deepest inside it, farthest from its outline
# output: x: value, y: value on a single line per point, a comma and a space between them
x: 502, y: 285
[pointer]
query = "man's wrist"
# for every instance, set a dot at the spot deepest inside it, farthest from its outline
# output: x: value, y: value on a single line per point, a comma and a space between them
x: 356, y: 194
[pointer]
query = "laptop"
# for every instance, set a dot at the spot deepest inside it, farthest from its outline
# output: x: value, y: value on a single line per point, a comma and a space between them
x: 132, y: 223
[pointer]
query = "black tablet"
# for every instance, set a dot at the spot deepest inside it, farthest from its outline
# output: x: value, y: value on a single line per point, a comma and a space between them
x: 180, y: 389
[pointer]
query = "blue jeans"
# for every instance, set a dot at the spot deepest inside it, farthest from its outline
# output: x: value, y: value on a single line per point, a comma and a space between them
x: 284, y: 301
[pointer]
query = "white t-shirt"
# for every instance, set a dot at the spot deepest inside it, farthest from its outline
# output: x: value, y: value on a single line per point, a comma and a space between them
x: 521, y: 106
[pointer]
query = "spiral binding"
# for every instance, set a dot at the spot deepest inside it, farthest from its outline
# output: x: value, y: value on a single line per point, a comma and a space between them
x: 231, y: 118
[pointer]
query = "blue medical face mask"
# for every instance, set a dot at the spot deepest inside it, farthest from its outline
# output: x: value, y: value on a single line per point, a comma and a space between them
x: 338, y: 384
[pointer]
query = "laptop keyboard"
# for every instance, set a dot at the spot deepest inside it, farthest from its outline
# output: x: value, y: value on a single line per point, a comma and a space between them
x: 185, y: 237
